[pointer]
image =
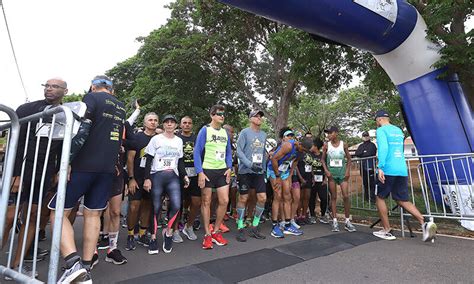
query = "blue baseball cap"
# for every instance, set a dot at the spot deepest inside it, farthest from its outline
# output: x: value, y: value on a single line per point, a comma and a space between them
x: 288, y: 133
x: 381, y: 113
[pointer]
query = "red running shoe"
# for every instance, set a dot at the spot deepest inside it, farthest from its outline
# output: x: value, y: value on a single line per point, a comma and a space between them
x: 223, y: 228
x: 207, y: 243
x: 218, y: 239
x: 226, y: 217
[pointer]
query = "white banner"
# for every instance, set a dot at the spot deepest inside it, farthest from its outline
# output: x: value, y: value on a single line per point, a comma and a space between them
x: 385, y: 8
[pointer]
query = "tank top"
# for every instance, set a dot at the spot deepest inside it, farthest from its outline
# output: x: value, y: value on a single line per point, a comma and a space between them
x: 336, y: 159
x: 284, y: 163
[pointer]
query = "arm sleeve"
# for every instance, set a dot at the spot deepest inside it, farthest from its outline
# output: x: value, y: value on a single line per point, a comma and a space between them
x: 382, y: 146
x: 228, y: 153
x: 131, y: 120
x: 149, y: 161
x: 240, y: 151
x: 198, y: 149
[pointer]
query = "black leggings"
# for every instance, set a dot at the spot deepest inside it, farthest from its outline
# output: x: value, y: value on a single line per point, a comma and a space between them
x: 166, y: 181
x: 318, y: 190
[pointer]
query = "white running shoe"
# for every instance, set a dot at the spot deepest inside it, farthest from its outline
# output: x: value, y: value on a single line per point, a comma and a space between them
x: 177, y: 237
x: 384, y: 235
x: 189, y: 233
x: 429, y: 231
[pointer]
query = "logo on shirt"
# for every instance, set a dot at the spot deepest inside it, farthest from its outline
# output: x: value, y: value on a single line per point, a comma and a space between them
x: 218, y: 139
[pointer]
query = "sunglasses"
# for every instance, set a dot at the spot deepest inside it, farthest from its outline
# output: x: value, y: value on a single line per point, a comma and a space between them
x: 220, y: 114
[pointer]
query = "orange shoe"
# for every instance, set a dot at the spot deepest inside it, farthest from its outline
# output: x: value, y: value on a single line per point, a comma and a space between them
x: 207, y: 243
x: 218, y: 239
x: 223, y: 228
x: 211, y: 227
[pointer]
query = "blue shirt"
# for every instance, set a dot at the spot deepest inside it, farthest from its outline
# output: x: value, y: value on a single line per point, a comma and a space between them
x: 391, y: 157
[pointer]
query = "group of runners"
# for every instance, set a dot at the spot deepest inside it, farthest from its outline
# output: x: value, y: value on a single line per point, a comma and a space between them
x: 194, y: 176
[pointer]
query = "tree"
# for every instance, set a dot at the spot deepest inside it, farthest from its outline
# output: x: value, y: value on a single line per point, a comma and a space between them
x: 73, y: 97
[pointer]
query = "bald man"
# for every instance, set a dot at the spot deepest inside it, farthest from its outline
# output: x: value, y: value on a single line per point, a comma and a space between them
x: 54, y: 91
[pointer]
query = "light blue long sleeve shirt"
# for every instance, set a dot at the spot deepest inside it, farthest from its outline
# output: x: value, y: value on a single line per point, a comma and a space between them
x: 251, y: 148
x: 391, y: 157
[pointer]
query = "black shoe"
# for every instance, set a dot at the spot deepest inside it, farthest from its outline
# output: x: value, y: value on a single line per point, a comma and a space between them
x: 241, y: 236
x: 167, y: 242
x: 42, y: 235
x: 115, y: 257
x: 103, y: 243
x: 144, y: 240
x: 196, y: 225
x: 255, y: 233
x: 95, y: 260
x: 131, y: 243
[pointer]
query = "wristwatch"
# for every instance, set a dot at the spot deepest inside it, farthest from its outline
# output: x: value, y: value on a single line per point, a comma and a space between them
x: 130, y: 178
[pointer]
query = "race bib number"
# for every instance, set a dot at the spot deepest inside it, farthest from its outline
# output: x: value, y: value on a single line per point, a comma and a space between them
x: 220, y: 155
x: 318, y: 178
x: 190, y: 171
x: 308, y: 168
x: 42, y: 130
x: 257, y: 158
x: 335, y: 163
x: 166, y: 164
x: 142, y: 162
x: 284, y: 167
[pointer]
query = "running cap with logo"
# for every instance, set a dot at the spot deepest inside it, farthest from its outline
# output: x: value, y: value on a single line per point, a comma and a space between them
x: 288, y: 133
x: 169, y: 117
x: 331, y: 129
x: 255, y: 112
x: 365, y: 133
x: 381, y: 113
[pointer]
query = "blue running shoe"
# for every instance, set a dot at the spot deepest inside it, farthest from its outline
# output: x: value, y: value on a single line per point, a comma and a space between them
x: 276, y: 232
x: 291, y: 230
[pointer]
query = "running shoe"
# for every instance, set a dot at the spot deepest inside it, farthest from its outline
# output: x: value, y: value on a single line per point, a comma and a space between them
x: 116, y: 257
x: 226, y: 216
x: 218, y: 239
x: 313, y: 220
x: 223, y: 228
x: 334, y: 226
x: 276, y: 232
x: 196, y: 225
x: 95, y: 260
x: 42, y: 235
x: 241, y: 235
x: 131, y: 244
x: 235, y: 216
x: 84, y: 279
x: 324, y: 219
x: 429, y: 231
x: 254, y: 232
x: 29, y: 258
x: 349, y: 227
x: 177, y: 237
x: 384, y: 235
x: 292, y: 230
x: 180, y: 226
x: 25, y: 270
x: 168, y: 241
x: 293, y: 223
x: 207, y: 242
x: 103, y: 243
x: 76, y: 272
x: 153, y: 247
x: 189, y: 233
x: 144, y: 240
x: 248, y: 222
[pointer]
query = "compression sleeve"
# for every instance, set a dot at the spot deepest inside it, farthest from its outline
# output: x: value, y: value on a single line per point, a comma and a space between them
x: 149, y: 161
x: 382, y: 146
x: 199, y: 149
x: 131, y: 120
x: 80, y: 138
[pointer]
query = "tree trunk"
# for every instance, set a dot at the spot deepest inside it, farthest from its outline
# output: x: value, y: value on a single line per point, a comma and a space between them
x: 284, y: 106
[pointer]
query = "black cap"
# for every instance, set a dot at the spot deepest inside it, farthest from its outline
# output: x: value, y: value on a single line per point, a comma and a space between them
x: 255, y: 112
x: 365, y: 133
x: 332, y: 129
x: 381, y: 113
x: 168, y: 117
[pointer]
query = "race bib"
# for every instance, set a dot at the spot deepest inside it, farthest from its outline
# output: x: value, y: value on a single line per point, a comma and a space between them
x: 284, y: 167
x: 318, y: 178
x: 142, y: 162
x: 220, y: 155
x: 166, y: 164
x: 257, y: 158
x: 335, y: 163
x: 42, y: 130
x: 190, y: 171
x: 308, y: 168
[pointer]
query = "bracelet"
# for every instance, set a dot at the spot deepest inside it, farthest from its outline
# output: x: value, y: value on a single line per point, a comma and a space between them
x: 130, y: 178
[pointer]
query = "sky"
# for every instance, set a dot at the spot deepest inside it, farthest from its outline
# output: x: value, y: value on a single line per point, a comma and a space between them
x: 74, y: 40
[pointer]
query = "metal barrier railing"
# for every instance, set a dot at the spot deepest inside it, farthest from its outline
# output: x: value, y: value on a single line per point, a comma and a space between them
x: 438, y: 186
x: 13, y: 128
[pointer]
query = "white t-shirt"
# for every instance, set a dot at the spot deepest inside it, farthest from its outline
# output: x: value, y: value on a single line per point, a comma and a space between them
x: 166, y: 152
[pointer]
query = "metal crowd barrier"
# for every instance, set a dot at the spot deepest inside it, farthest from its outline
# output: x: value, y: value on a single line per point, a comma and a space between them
x: 441, y: 186
x: 13, y: 129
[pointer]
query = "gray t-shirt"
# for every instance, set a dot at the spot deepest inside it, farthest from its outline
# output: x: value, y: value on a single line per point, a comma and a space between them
x: 251, y: 150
